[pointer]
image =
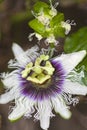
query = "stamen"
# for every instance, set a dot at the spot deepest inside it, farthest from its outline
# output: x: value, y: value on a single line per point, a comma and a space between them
x: 41, y: 73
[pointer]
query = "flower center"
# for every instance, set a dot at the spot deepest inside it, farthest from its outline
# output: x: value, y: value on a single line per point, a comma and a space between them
x: 40, y: 71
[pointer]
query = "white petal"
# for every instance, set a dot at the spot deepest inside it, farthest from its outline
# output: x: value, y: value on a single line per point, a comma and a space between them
x: 44, y: 110
x: 32, y: 52
x: 23, y: 105
x: 20, y: 55
x: 74, y: 88
x: 70, y: 61
x: 17, y: 50
x: 60, y: 107
x: 10, y: 80
x: 24, y: 57
x: 7, y: 97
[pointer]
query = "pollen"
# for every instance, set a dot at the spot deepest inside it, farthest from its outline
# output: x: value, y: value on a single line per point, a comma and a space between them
x: 40, y: 71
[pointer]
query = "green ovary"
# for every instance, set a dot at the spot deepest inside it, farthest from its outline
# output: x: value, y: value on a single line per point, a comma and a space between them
x: 40, y: 73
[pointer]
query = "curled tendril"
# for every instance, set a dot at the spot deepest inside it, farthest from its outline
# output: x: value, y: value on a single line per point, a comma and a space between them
x: 72, y: 23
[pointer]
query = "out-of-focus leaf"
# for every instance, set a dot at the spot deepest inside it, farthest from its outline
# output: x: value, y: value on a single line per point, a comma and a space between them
x: 77, y: 42
x: 1, y: 1
x: 21, y: 16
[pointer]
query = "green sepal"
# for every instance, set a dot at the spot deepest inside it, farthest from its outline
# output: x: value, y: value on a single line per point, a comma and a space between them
x: 56, y: 27
x: 77, y: 42
x: 38, y: 27
x: 40, y: 6
x: 57, y: 19
x: 59, y: 31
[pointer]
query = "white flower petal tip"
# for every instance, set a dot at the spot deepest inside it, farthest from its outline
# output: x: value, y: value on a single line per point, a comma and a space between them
x: 83, y: 52
x: 75, y: 88
x: 45, y: 112
x: 77, y: 57
x: 66, y: 114
x: 13, y: 120
x: 61, y: 108
x: 7, y: 97
x: 45, y: 124
x: 17, y: 113
x: 70, y: 61
x: 17, y: 49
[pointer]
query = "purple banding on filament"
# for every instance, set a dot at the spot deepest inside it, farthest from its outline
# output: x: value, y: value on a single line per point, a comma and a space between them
x: 55, y: 85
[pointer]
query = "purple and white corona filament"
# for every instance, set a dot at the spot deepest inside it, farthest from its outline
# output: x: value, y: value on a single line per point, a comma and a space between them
x: 41, y: 83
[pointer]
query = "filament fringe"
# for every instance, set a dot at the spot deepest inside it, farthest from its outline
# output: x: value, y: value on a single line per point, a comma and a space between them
x: 69, y: 100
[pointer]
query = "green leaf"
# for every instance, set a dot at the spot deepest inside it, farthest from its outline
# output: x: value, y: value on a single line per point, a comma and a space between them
x: 1, y: 1
x: 40, y: 6
x: 55, y: 24
x: 77, y: 42
x: 57, y: 20
x: 55, y: 28
x: 59, y: 32
x: 19, y: 17
x: 38, y: 27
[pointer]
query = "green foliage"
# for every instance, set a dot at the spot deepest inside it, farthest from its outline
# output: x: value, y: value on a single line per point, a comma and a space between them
x: 21, y: 16
x: 53, y: 27
x: 77, y: 42
x: 38, y: 27
x: 40, y: 6
x: 1, y: 1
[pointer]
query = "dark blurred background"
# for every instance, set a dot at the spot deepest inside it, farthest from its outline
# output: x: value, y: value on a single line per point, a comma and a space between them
x: 14, y: 17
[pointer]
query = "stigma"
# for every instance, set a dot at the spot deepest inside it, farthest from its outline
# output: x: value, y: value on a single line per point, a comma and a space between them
x: 40, y: 71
